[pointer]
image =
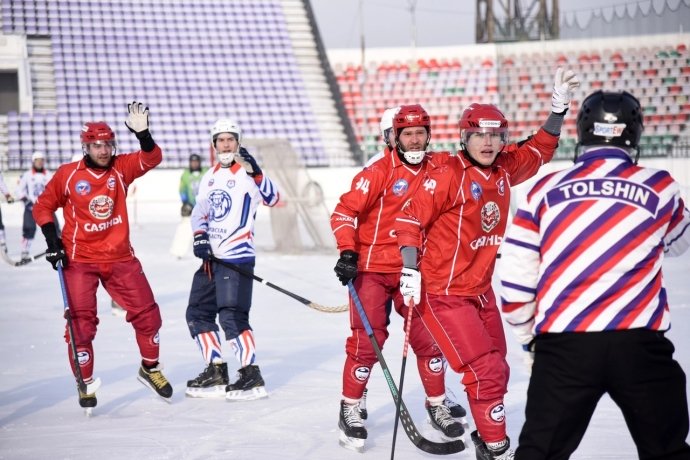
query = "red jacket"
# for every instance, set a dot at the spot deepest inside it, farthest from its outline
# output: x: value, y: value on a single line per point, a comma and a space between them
x: 363, y: 220
x: 94, y: 206
x: 463, y: 210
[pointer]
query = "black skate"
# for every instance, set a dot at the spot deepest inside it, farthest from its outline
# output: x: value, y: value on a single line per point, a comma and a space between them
x: 155, y: 380
x: 363, y: 406
x: 440, y: 418
x: 456, y: 410
x: 210, y: 383
x: 249, y: 385
x: 483, y: 451
x: 352, y: 430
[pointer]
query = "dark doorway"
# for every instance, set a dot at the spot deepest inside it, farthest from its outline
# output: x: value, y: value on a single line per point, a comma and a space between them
x: 9, y: 92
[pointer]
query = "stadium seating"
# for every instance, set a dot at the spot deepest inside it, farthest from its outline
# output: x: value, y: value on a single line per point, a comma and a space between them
x: 191, y: 62
x: 196, y: 61
x: 520, y: 83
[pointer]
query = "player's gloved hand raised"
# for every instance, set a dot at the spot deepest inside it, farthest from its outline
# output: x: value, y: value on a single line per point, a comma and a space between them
x: 346, y: 267
x: 138, y: 123
x: 411, y: 286
x: 564, y: 84
x: 56, y: 251
x: 138, y: 117
x: 248, y: 162
x: 202, y: 246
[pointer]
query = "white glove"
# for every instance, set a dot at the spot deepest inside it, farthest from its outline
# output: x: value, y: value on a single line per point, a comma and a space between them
x: 411, y: 285
x: 138, y: 119
x: 564, y: 85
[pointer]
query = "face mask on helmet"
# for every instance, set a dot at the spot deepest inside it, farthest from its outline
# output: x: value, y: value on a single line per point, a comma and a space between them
x: 411, y: 116
x: 225, y: 125
x: 610, y: 118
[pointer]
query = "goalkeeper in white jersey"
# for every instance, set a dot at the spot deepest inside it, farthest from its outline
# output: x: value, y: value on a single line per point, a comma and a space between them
x: 223, y: 226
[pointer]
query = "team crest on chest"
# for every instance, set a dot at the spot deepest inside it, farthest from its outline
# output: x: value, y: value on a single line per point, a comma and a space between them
x: 400, y: 187
x: 111, y: 183
x: 501, y: 186
x: 82, y: 188
x: 221, y: 203
x: 101, y: 207
x: 476, y: 190
x: 491, y: 216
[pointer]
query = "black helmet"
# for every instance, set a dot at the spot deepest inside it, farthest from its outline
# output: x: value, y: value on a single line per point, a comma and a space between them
x: 195, y: 157
x: 610, y: 118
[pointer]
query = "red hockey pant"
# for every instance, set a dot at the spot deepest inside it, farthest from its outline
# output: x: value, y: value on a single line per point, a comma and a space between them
x: 128, y: 286
x: 376, y: 290
x: 470, y: 334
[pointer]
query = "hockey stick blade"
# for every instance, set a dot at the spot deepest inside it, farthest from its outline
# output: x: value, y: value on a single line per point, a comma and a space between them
x: 18, y: 263
x: 307, y: 302
x: 30, y: 259
x: 422, y: 443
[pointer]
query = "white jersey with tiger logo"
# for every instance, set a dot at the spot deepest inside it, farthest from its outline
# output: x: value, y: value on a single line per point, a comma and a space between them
x: 226, y: 209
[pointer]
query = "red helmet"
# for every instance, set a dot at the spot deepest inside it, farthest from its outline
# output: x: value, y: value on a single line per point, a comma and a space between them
x: 95, y: 131
x: 483, y: 118
x: 409, y: 116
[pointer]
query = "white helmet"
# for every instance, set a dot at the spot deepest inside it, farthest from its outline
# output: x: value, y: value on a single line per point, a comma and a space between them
x: 386, y: 123
x: 225, y: 125
x: 38, y: 156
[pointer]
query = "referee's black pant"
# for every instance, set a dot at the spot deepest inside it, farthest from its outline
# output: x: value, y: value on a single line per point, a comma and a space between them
x: 572, y: 371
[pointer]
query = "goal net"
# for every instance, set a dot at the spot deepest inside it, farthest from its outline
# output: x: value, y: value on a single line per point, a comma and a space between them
x: 300, y: 221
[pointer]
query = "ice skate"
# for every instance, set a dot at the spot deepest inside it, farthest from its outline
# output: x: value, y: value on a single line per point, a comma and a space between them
x: 211, y: 383
x: 456, y: 410
x: 248, y: 386
x: 501, y: 451
x: 25, y: 256
x: 441, y: 420
x: 155, y: 380
x: 363, y: 406
x: 352, y: 430
x: 87, y: 399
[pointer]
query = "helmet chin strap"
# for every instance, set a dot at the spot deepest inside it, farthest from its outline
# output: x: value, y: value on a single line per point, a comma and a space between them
x: 409, y: 156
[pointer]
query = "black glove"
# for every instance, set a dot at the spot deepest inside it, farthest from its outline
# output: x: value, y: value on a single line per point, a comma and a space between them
x: 202, y: 246
x: 56, y: 251
x: 186, y: 210
x: 248, y: 162
x: 346, y: 268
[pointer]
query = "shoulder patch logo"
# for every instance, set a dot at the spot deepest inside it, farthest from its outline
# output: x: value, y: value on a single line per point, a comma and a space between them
x: 400, y: 187
x: 476, y: 190
x: 82, y: 188
x: 501, y: 186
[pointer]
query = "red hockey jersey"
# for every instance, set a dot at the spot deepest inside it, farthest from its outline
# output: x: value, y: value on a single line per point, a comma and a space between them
x: 364, y: 219
x: 462, y: 211
x: 94, y: 206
